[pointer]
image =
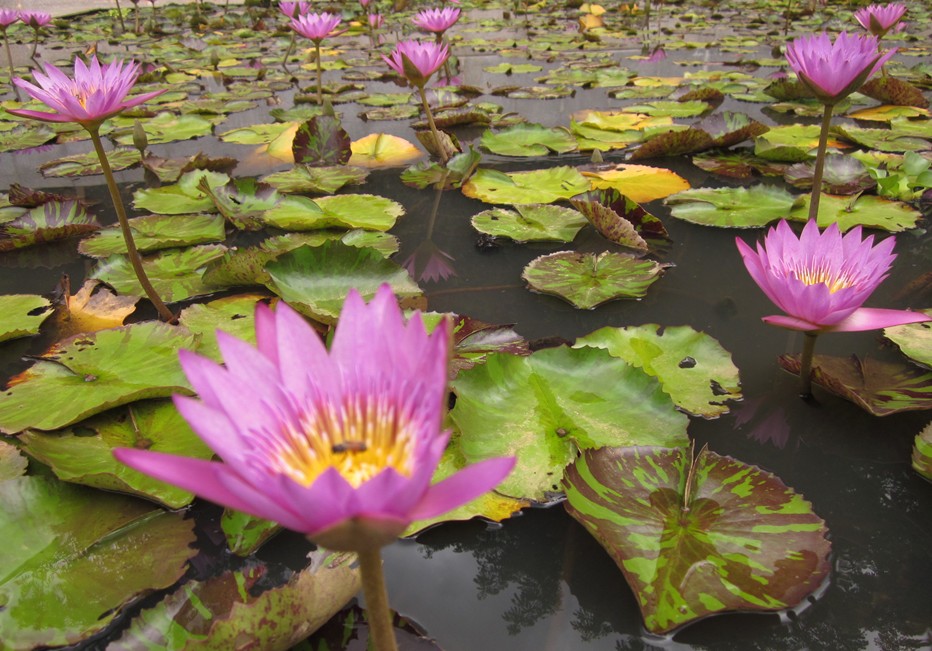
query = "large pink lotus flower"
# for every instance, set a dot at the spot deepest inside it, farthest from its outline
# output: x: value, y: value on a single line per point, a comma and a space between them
x: 424, y: 60
x: 821, y: 279
x: 437, y: 20
x: 834, y: 70
x: 340, y: 446
x: 880, y: 19
x: 315, y: 26
x: 96, y: 93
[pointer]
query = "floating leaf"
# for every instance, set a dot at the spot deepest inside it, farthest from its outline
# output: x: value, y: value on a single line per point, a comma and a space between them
x: 586, y: 280
x: 21, y: 315
x: 319, y: 180
x: 89, y: 553
x: 864, y: 210
x: 167, y: 127
x: 154, y: 232
x: 88, y: 164
x: 474, y: 341
x: 528, y: 140
x: 879, y: 388
x: 672, y: 109
x: 545, y: 407
x: 317, y: 280
x: 457, y: 170
x: 242, y: 202
x: 93, y: 308
x: 338, y: 211
x: 737, y: 164
x: 22, y: 137
x: 186, y: 196
x: 91, y: 372
x: 531, y: 223
x: 246, y: 533
x: 840, y: 175
x: 792, y: 143
x: 12, y: 463
x: 640, y: 183
x: 174, y: 273
x: 914, y: 340
x: 260, y: 134
x: 891, y: 90
x: 887, y: 113
x: 696, y: 539
x: 692, y: 367
x: 611, y: 225
x: 169, y: 170
x: 321, y: 141
x: 922, y: 452
x: 84, y: 454
x: 535, y: 186
x: 750, y: 207
x: 383, y: 150
x: 46, y: 223
x: 884, y: 139
x: 720, y: 130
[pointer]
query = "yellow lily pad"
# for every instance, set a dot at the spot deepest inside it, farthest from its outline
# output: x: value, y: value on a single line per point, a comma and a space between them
x: 383, y: 150
x: 640, y: 183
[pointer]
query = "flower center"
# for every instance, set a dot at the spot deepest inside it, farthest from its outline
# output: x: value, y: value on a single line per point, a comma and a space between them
x: 360, y: 438
x: 834, y: 279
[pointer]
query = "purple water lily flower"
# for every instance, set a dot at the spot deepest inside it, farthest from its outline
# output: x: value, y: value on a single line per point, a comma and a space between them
x: 437, y: 20
x: 96, y: 93
x: 834, y: 70
x: 376, y: 21
x: 880, y: 19
x: 821, y: 279
x: 340, y: 446
x: 293, y: 9
x: 35, y: 19
x: 425, y: 59
x: 315, y: 26
x: 8, y: 17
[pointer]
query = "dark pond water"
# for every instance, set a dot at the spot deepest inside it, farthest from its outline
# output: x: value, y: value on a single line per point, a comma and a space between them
x: 540, y: 582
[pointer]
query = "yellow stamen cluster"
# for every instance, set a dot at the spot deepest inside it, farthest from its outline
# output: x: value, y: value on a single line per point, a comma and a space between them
x: 824, y: 276
x: 360, y: 438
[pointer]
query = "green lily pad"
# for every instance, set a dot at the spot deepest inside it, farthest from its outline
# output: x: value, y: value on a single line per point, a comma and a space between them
x: 246, y: 533
x: 92, y: 372
x: 698, y: 538
x: 535, y: 186
x: 154, y: 232
x: 168, y: 127
x: 792, y: 143
x: 24, y: 137
x: 692, y: 367
x: 319, y: 180
x: 186, y: 196
x: 751, y: 207
x: 55, y: 220
x: 545, y: 407
x: 21, y: 315
x: 529, y: 140
x: 530, y: 223
x: 505, y: 68
x: 474, y: 341
x: 316, y: 280
x: 174, y: 273
x: 586, y: 280
x: 456, y: 172
x: 400, y: 112
x: 12, y: 463
x: 232, y: 612
x: 922, y: 453
x: 611, y: 225
x: 386, y: 99
x: 88, y: 164
x: 84, y: 454
x: 257, y: 134
x: 864, y: 210
x: 914, y: 340
x: 879, y: 388
x: 242, y: 202
x: 338, y: 211
x: 840, y: 175
x: 170, y: 170
x: 89, y: 553
x: 671, y: 109
x: 235, y: 315
x: 884, y: 139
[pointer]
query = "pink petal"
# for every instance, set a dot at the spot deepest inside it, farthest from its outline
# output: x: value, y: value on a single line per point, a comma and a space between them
x: 466, y: 485
x: 869, y: 318
x: 39, y: 115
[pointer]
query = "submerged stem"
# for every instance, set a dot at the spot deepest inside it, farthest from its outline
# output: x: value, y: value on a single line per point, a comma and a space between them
x: 164, y: 313
x: 820, y: 163
x: 433, y: 126
x: 805, y: 365
x: 377, y: 610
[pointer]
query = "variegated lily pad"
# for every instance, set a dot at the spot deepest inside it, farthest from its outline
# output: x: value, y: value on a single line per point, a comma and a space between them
x: 914, y: 339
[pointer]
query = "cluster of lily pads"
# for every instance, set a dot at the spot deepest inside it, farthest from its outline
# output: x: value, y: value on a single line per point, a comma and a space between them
x: 601, y: 424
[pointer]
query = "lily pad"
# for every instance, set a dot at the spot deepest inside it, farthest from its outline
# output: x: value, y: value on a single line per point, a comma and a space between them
x: 154, y: 232
x: 338, y: 211
x: 751, y: 207
x: 21, y: 315
x: 89, y: 553
x: 84, y: 454
x: 640, y: 183
x: 922, y: 452
x: 235, y: 315
x: 586, y: 280
x: 529, y: 140
x: 884, y: 139
x: 531, y: 223
x: 792, y: 143
x: 474, y: 341
x: 92, y: 372
x: 88, y: 164
x: 879, y: 388
x: 242, y: 202
x: 174, y: 273
x: 246, y: 533
x: 611, y: 225
x: 692, y: 367
x: 535, y: 186
x: 383, y: 150
x: 914, y: 340
x: 21, y: 137
x: 321, y: 141
x: 186, y: 196
x: 94, y: 307
x: 168, y: 127
x: 841, y: 175
x: 671, y: 109
x: 12, y: 463
x: 864, y: 210
x: 55, y: 220
x: 452, y: 175
x: 232, y: 612
x: 701, y: 537
x: 545, y: 407
x: 319, y: 180
x: 316, y: 280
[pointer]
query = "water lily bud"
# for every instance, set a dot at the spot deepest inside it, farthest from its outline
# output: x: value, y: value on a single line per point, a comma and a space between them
x: 140, y: 139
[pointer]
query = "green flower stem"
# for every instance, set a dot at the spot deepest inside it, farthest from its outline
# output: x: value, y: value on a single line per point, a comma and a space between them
x: 377, y: 610
x: 9, y: 60
x: 288, y: 52
x: 786, y: 13
x: 820, y: 162
x: 164, y: 313
x: 446, y: 62
x: 805, y: 365
x: 433, y: 126
x: 35, y: 45
x: 120, y: 16
x: 320, y: 76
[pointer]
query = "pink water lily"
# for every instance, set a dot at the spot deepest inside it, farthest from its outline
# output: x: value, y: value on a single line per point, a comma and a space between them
x: 437, y: 20
x: 834, y: 69
x: 425, y: 59
x: 880, y: 19
x: 293, y: 9
x: 821, y: 279
x: 8, y: 17
x: 35, y: 19
x: 376, y: 21
x: 315, y: 26
x: 340, y: 446
x: 97, y: 92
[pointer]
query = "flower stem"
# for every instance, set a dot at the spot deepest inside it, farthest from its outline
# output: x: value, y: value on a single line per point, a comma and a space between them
x: 433, y: 127
x: 9, y: 59
x: 288, y: 52
x: 820, y: 163
x: 786, y: 13
x: 320, y: 76
x: 35, y: 46
x: 164, y: 313
x: 377, y: 610
x: 120, y: 16
x: 805, y: 365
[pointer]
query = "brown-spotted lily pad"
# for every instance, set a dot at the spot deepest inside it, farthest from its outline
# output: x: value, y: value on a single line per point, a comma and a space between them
x: 914, y: 340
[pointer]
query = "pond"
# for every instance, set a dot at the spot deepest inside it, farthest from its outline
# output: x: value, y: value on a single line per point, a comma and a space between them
x: 537, y: 580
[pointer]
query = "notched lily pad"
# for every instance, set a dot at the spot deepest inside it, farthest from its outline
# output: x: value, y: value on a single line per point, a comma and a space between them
x: 751, y: 207
x: 531, y: 223
x: 154, y: 232
x: 383, y: 150
x: 319, y: 180
x: 640, y: 183
x: 46, y: 223
x: 87, y: 164
x: 914, y: 340
x: 321, y: 141
x: 528, y: 140
x: 586, y: 280
x: 534, y: 186
x: 864, y: 210
x: 21, y: 315
x: 698, y: 537
x: 94, y: 307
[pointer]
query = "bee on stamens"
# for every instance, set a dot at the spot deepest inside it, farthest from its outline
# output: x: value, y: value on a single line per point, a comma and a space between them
x: 348, y: 446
